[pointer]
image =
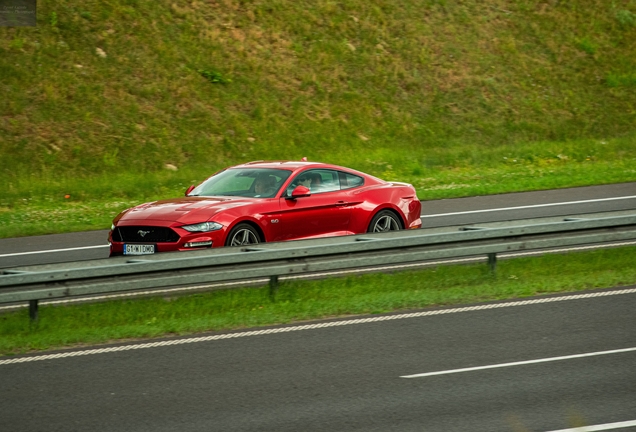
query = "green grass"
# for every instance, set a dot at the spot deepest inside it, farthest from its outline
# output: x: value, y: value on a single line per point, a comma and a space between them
x: 67, y: 326
x: 108, y: 104
x: 458, y: 98
x: 66, y: 204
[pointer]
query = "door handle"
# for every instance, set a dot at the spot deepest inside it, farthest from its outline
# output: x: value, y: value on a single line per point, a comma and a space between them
x: 341, y: 203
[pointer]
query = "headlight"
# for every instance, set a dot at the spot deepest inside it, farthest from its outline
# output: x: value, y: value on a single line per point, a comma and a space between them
x: 112, y: 227
x: 203, y: 227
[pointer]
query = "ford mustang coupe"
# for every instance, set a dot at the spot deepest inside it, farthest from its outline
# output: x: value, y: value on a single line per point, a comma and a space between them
x: 264, y: 202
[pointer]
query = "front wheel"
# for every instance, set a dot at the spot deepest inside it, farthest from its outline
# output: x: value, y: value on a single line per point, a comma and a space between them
x: 241, y: 235
x: 384, y: 221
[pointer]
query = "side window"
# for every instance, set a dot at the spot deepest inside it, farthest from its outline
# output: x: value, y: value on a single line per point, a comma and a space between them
x: 348, y: 181
x: 328, y: 181
x: 317, y: 180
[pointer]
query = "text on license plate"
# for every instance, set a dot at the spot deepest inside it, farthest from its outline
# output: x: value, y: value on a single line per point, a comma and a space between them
x: 139, y: 249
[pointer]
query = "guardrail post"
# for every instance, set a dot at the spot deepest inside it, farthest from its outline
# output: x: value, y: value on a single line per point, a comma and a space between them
x: 492, y: 263
x: 273, y: 286
x: 33, y: 310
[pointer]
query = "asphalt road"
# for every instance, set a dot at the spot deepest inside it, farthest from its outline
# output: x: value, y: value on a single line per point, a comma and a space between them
x: 351, y: 375
x: 369, y: 374
x: 461, y: 211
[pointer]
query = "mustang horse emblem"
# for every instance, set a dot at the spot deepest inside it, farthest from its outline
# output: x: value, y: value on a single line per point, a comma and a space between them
x: 143, y: 233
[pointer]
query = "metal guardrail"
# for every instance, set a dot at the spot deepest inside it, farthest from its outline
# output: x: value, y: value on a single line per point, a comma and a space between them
x: 34, y: 283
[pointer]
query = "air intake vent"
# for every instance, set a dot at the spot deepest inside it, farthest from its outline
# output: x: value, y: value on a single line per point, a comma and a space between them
x: 145, y: 234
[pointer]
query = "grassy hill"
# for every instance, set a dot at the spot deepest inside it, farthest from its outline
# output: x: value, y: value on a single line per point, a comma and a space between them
x: 112, y: 102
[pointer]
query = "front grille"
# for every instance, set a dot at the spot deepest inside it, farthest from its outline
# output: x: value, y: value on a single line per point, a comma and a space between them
x: 145, y: 234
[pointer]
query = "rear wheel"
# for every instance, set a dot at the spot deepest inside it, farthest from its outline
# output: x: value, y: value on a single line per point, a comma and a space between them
x: 242, y: 234
x: 383, y: 221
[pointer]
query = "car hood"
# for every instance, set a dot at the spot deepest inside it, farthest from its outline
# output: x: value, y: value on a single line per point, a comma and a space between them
x: 184, y: 210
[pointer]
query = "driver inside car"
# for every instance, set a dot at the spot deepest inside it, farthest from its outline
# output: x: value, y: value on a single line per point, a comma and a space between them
x: 314, y: 181
x: 305, y: 181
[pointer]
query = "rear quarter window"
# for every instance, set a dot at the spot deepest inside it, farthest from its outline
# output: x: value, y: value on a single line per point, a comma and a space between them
x: 349, y: 181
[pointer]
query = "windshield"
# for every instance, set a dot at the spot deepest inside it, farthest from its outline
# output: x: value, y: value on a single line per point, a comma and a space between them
x: 243, y: 182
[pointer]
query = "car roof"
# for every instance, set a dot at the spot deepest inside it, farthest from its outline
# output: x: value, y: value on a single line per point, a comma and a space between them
x: 299, y: 165
x: 293, y: 165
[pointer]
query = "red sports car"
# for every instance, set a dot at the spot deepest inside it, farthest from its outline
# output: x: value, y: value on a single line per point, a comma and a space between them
x: 265, y: 202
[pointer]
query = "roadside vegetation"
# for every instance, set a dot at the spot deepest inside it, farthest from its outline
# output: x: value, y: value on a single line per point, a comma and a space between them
x: 73, y: 326
x: 104, y: 105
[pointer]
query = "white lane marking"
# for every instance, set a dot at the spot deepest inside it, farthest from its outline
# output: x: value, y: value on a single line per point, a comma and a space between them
x: 53, y: 250
x: 519, y: 363
x: 321, y: 325
x: 600, y: 427
x: 529, y: 206
x: 252, y: 282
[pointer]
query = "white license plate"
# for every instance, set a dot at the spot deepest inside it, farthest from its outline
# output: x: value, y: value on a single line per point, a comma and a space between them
x: 139, y: 249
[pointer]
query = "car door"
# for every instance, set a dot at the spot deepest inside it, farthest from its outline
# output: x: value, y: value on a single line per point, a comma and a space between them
x: 325, y: 212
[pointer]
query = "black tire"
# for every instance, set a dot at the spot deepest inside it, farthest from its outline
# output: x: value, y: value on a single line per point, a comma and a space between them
x: 241, y: 235
x: 383, y: 221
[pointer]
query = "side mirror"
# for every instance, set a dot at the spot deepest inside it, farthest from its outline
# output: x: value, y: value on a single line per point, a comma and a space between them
x: 189, y: 190
x: 299, y: 192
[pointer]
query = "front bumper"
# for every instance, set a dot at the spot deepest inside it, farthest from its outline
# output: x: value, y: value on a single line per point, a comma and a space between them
x: 179, y: 240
